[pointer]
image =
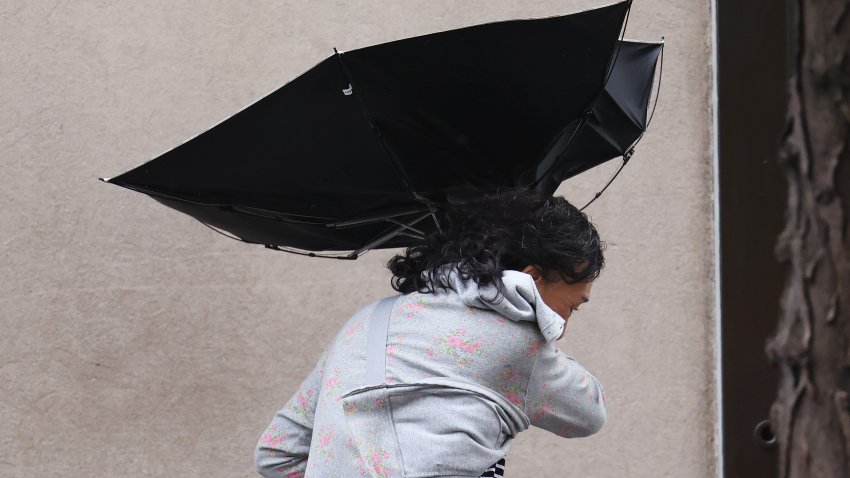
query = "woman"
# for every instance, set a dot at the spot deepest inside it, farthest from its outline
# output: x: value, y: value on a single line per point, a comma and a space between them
x: 437, y: 381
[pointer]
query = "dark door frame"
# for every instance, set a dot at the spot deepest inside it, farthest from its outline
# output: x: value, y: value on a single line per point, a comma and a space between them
x: 750, y: 62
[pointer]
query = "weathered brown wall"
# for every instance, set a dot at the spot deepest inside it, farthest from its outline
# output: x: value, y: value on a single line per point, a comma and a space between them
x: 139, y: 343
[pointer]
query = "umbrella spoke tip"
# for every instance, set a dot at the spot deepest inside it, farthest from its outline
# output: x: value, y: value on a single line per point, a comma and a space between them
x: 106, y: 180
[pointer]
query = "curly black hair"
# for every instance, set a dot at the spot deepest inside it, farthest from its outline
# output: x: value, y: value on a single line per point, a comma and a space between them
x: 504, y: 231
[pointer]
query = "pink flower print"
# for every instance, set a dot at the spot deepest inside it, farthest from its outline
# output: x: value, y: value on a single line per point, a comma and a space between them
x: 325, y: 438
x: 378, y: 457
x: 583, y: 382
x: 514, y: 394
x: 391, y: 352
x: 456, y: 342
x: 409, y: 309
x: 534, y: 346
x: 273, y: 438
x: 514, y: 398
x: 331, y: 386
x: 353, y: 329
x: 358, y: 460
x: 545, y: 385
x: 471, y: 347
x: 355, y: 457
x: 510, y: 374
x: 349, y: 408
x: 430, y: 352
x: 301, y: 404
x: 295, y: 474
x: 323, y: 449
x: 542, y: 410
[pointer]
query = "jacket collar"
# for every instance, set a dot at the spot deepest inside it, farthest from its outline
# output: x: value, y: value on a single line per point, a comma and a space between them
x: 521, y: 301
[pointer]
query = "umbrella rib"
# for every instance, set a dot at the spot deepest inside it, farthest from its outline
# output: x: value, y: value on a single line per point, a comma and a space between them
x: 246, y: 209
x: 622, y: 110
x: 222, y: 233
x: 387, y: 150
x: 291, y: 250
x: 657, y: 92
x: 365, y: 220
x: 419, y: 234
x: 631, y: 150
x: 596, y: 196
x: 615, y: 52
x: 386, y: 237
x: 581, y: 123
x: 658, y: 88
x: 414, y: 236
x: 434, y: 216
x: 350, y: 256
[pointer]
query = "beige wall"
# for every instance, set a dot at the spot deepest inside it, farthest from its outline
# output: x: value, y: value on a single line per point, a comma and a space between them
x: 137, y: 342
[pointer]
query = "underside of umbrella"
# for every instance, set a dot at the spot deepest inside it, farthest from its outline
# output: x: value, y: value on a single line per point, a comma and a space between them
x: 361, y: 150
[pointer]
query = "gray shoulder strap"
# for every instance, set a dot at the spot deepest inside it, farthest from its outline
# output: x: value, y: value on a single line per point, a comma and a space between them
x: 376, y: 346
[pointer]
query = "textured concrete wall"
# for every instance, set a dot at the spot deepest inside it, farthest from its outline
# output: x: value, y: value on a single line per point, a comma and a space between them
x: 137, y: 342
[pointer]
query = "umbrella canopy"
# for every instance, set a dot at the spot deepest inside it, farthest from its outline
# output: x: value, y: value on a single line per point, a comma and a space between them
x: 358, y: 151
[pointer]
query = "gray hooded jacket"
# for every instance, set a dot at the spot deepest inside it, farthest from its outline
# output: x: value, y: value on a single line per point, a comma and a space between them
x: 433, y: 385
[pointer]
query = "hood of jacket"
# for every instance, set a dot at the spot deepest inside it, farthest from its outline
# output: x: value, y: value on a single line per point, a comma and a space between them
x: 520, y: 302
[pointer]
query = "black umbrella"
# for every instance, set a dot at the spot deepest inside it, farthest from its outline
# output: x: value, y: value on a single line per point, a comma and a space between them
x: 358, y: 151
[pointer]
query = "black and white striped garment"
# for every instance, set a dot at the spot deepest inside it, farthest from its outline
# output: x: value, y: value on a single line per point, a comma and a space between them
x: 497, y: 470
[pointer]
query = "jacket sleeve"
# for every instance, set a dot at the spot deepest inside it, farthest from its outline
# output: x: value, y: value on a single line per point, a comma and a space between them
x: 283, y: 449
x: 563, y: 397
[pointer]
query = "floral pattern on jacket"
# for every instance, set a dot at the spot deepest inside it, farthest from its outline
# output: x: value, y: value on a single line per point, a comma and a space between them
x: 430, y: 335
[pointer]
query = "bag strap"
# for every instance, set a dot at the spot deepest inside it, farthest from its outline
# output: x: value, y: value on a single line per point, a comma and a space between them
x: 376, y: 342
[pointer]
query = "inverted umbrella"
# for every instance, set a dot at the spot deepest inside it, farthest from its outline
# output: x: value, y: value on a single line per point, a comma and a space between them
x: 358, y: 151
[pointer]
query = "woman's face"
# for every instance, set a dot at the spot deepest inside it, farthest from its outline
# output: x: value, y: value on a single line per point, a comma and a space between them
x: 560, y: 296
